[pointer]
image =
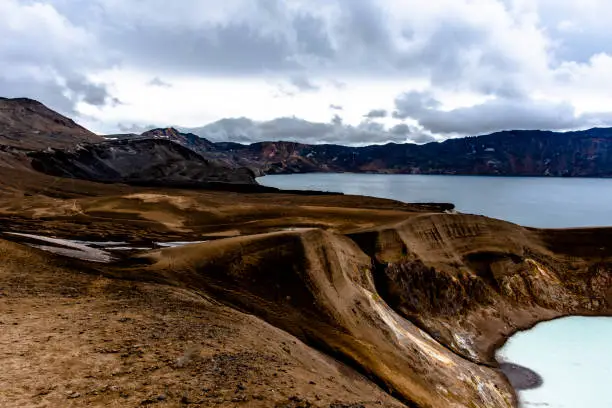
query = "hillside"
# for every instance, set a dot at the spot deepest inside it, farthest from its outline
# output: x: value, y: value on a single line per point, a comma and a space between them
x: 281, y: 301
x: 33, y: 138
x: 513, y: 153
x: 143, y: 161
x: 586, y: 153
x: 138, y: 271
x: 28, y: 124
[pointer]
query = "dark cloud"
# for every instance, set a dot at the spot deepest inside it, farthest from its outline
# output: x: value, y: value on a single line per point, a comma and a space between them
x: 157, y: 81
x: 59, y: 46
x: 62, y: 97
x: 376, y: 113
x: 411, y: 103
x: 45, y: 57
x: 336, y: 120
x: 244, y: 130
x: 48, y: 92
x: 136, y: 128
x: 303, y: 84
x: 257, y: 38
x: 89, y: 92
x: 493, y: 115
x: 412, y: 133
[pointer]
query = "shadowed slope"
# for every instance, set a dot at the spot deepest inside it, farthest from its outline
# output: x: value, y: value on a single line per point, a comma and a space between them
x: 138, y: 161
x: 319, y: 287
x: 71, y: 337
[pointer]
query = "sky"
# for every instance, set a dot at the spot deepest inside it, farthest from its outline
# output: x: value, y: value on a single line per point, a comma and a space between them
x: 319, y: 71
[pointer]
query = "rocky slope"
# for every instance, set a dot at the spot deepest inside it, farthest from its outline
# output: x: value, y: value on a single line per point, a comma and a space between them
x: 471, y: 281
x: 514, y: 153
x: 35, y: 138
x: 321, y: 304
x: 140, y: 161
x: 28, y: 124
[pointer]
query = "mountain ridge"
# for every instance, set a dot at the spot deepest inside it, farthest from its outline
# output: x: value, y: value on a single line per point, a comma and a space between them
x: 585, y: 153
x: 28, y: 124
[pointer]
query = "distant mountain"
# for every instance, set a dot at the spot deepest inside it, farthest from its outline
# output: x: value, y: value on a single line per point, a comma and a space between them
x: 28, y: 124
x: 586, y: 153
x: 190, y: 140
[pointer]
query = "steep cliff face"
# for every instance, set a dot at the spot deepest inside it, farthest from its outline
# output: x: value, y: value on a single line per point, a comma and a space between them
x: 320, y: 287
x: 471, y: 281
x: 141, y: 161
x: 28, y: 124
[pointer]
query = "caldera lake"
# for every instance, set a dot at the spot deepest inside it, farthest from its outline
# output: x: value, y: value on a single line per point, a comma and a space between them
x: 543, y: 202
x: 572, y: 355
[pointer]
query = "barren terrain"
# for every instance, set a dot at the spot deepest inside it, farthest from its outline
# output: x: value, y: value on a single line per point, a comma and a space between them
x: 291, y: 301
x: 231, y: 295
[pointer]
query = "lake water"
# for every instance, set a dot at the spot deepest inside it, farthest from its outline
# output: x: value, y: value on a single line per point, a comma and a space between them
x: 574, y: 358
x: 543, y: 202
x: 573, y: 355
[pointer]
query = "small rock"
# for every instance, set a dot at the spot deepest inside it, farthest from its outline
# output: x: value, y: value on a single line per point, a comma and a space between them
x: 74, y: 395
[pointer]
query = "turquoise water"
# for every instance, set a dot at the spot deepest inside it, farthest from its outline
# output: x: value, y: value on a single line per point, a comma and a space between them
x: 543, y: 202
x: 573, y: 355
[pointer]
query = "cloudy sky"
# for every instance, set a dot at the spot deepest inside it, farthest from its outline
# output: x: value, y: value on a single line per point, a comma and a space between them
x: 352, y: 71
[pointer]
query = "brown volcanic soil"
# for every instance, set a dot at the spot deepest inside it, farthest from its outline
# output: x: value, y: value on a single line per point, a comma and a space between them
x: 28, y: 124
x: 72, y: 337
x: 294, y: 301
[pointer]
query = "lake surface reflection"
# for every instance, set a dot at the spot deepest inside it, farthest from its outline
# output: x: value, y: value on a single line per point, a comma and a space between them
x: 543, y: 202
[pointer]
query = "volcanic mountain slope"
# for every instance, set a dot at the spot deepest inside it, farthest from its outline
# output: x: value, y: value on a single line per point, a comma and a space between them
x: 472, y: 281
x: 519, y: 153
x: 199, y: 144
x: 293, y: 301
x: 513, y: 153
x: 147, y: 161
x: 28, y: 124
x: 33, y: 137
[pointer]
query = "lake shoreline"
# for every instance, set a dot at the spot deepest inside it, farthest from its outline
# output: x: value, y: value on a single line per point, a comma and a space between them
x: 536, y: 202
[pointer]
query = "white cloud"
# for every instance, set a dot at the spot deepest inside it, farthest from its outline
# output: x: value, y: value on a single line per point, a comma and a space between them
x: 44, y: 56
x: 495, y: 63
